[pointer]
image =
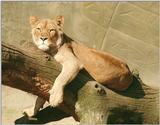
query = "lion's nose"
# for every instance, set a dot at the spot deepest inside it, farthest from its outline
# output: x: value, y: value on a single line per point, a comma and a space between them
x: 43, y: 38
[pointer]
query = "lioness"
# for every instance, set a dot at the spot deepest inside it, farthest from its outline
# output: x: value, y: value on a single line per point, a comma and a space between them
x: 73, y: 56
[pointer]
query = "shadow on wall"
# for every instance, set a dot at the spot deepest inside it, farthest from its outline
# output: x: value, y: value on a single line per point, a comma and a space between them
x: 53, y: 114
x: 120, y: 115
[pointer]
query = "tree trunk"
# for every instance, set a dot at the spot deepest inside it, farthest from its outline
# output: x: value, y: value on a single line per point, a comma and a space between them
x: 86, y: 100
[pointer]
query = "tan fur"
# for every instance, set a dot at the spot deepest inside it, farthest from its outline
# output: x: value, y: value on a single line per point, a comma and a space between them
x: 103, y: 67
x: 49, y: 29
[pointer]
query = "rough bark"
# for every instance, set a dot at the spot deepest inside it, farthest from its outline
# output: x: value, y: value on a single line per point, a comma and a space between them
x: 86, y: 100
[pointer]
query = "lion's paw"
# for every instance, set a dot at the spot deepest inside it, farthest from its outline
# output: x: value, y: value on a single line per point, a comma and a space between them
x: 56, y: 97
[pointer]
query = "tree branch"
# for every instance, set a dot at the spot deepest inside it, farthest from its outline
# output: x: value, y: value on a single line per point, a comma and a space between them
x: 86, y: 100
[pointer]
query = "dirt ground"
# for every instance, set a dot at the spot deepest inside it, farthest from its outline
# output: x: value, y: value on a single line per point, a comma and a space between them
x: 13, y: 103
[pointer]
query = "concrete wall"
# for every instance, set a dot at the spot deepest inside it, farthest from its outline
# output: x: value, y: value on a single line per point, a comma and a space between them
x: 129, y: 30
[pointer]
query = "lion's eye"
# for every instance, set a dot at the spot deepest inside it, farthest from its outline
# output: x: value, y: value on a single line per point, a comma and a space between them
x: 38, y: 29
x: 52, y: 30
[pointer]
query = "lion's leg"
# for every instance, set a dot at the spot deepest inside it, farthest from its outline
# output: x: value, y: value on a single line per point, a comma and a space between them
x: 31, y: 111
x: 69, y: 71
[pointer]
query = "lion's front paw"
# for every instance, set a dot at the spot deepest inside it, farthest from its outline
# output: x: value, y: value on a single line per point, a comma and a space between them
x: 29, y: 111
x: 56, y: 97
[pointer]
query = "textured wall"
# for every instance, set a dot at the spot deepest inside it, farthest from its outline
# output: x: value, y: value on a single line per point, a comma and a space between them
x: 129, y: 30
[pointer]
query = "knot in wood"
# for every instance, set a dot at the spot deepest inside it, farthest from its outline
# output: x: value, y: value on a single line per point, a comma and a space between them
x: 100, y: 90
x: 47, y: 57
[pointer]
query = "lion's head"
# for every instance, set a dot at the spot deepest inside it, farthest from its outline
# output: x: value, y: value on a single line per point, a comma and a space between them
x: 47, y: 33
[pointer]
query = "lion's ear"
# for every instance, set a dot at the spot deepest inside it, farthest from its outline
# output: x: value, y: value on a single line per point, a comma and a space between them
x: 60, y: 21
x: 33, y: 20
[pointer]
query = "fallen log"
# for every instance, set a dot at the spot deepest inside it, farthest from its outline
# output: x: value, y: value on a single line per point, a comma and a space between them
x: 86, y: 100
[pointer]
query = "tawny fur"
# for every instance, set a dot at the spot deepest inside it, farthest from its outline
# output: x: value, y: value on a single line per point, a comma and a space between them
x: 103, y: 67
x: 73, y: 56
